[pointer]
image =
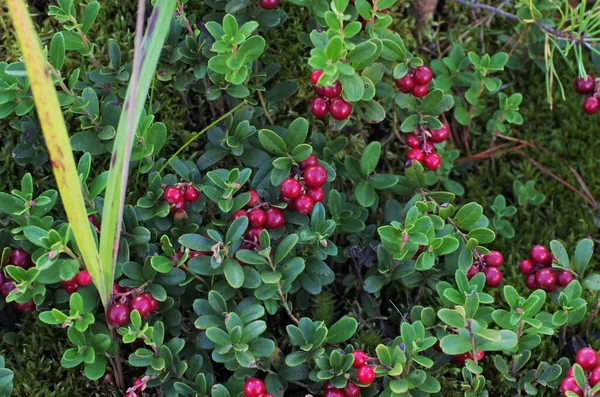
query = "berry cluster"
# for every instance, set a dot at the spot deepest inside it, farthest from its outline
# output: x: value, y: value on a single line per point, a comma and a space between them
x: 20, y: 258
x: 117, y: 314
x: 422, y: 146
x: 587, y: 358
x: 488, y: 264
x: 81, y: 279
x: 586, y: 86
x: 364, y: 375
x: 416, y: 81
x: 178, y: 196
x: 260, y: 216
x: 269, y: 4
x: 255, y: 387
x: 328, y: 99
x: 539, y: 273
x: 302, y: 194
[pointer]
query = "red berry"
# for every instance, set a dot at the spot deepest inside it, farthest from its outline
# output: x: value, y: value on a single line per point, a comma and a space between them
x: 269, y: 4
x: 587, y: 358
x: 594, y: 376
x: 413, y: 141
x: 333, y: 91
x: 70, y: 288
x: 24, y: 307
x: 191, y: 194
x: 131, y: 394
x: 328, y: 386
x: 267, y: 395
x: 460, y: 358
x: 181, y: 205
x: 317, y: 194
x: 319, y: 107
x: 340, y: 109
x: 545, y: 279
x: 83, y: 278
x: 275, y: 219
x: 440, y: 135
x: 420, y: 90
x: 254, y: 198
x: 584, y: 86
x: 526, y: 267
x: 569, y: 372
x: 253, y: 234
x: 291, y: 188
x: 480, y: 355
x: 416, y: 155
x: 257, y: 217
x: 360, y: 358
x: 139, y: 383
x: 291, y: 205
x: 315, y: 75
x: 423, y: 75
x: 493, y: 276
x: 591, y: 105
x: 539, y: 255
x: 351, y: 390
x: 92, y: 219
x: 315, y: 176
x: 254, y: 388
x: 365, y: 374
x: 494, y: 259
x: 530, y: 282
x: 406, y: 83
x: 304, y: 204
x: 173, y: 195
x: 153, y: 302
x: 118, y: 315
x: 334, y: 393
x: 310, y: 161
x: 6, y: 288
x: 142, y: 305
x: 116, y: 289
x: 570, y: 384
x: 564, y: 278
x: 432, y: 161
x: 238, y: 214
x: 20, y: 258
x: 473, y: 270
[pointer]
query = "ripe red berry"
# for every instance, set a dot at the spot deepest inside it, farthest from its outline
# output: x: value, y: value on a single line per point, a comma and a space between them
x: 351, y: 390
x: 20, y: 258
x: 494, y: 259
x: 526, y: 267
x: 440, y: 135
x: 473, y: 270
x: 254, y: 388
x: 310, y: 161
x: 594, y: 376
x: 333, y: 91
x: 257, y: 217
x: 315, y: 176
x: 6, y: 288
x: 26, y: 307
x: 587, y: 358
x: 181, y: 205
x: 317, y: 194
x: 360, y: 358
x: 530, y: 282
x: 254, y: 198
x: 340, y: 109
x: 420, y: 90
x: 564, y: 278
x: 315, y: 75
x: 153, y: 302
x: 253, y: 234
x: 131, y: 394
x: 584, y: 86
x: 545, y: 279
x: 83, y: 278
x: 423, y: 75
x: 142, y: 305
x: 70, y: 285
x: 118, y: 315
x: 92, y: 219
x: 432, y: 161
x: 267, y: 395
x: 416, y: 155
x: 291, y: 188
x: 137, y: 382
x: 173, y: 195
x: 570, y: 384
x: 365, y: 374
x: 406, y: 83
x: 480, y: 355
x: 539, y: 255
x: 238, y: 214
x: 304, y: 204
x: 269, y: 4
x: 591, y: 105
x: 275, y: 218
x: 334, y: 393
x: 291, y: 205
x: 319, y: 107
x: 413, y: 141
x: 493, y: 276
x: 328, y: 386
x: 191, y: 194
x: 460, y: 358
x: 116, y: 289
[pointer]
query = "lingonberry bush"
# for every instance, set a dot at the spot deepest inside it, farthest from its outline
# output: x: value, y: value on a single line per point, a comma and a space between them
x: 205, y: 278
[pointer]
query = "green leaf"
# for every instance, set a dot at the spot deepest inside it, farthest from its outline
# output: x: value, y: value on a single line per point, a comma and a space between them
x: 285, y: 247
x: 334, y: 47
x: 354, y: 87
x: 482, y: 235
x: 583, y: 254
x: 236, y: 230
x: 272, y: 142
x: 468, y: 215
x: 233, y: 273
x: 342, y: 330
x: 559, y: 251
x: 370, y: 158
x: 452, y: 318
x: 57, y: 51
x: 455, y: 344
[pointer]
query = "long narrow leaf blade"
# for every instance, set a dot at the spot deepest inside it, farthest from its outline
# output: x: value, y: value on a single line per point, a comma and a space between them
x: 57, y: 140
x: 145, y: 61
